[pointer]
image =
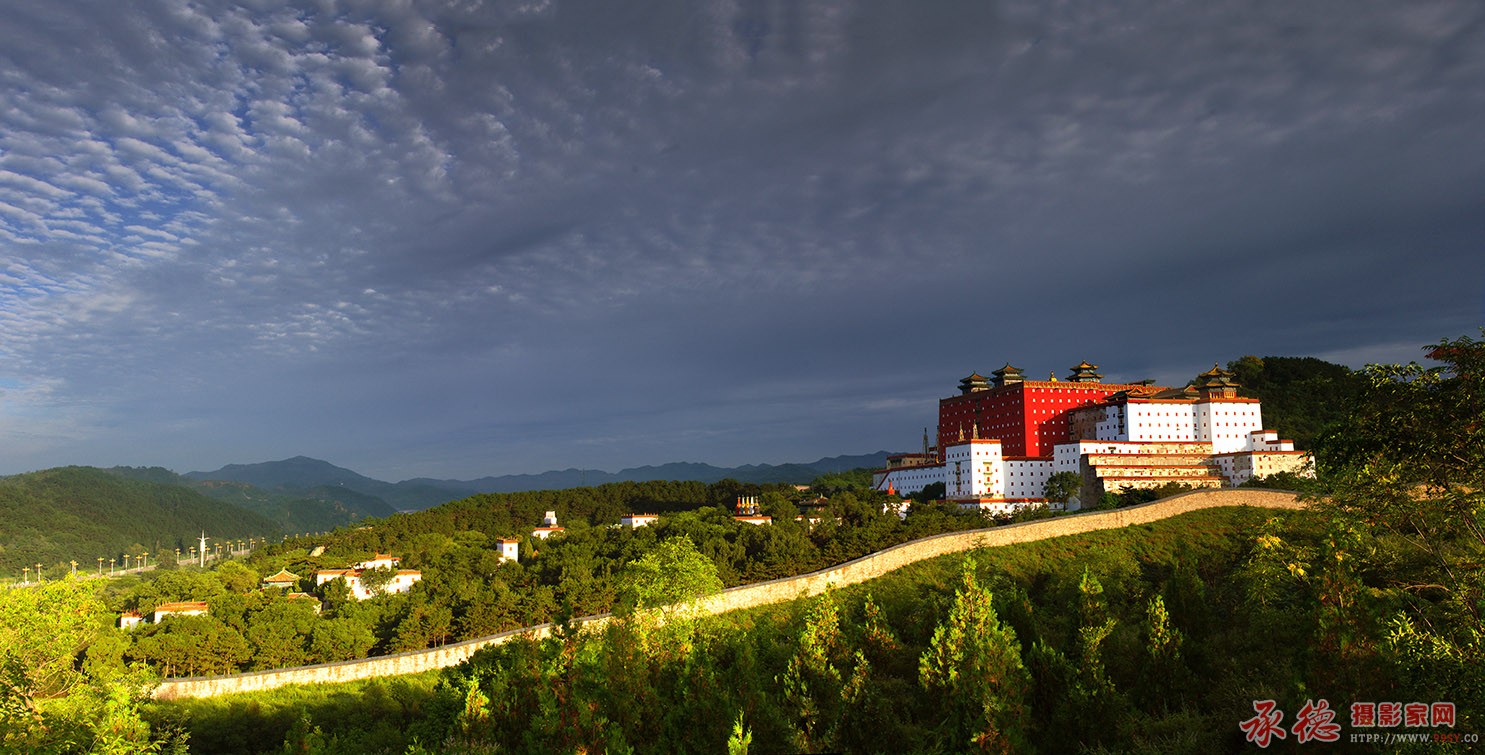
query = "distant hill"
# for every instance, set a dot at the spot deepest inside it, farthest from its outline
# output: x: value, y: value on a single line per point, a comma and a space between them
x: 301, y: 474
x: 301, y: 477
x: 57, y: 515
x: 298, y: 473
x: 573, y: 478
x: 316, y: 509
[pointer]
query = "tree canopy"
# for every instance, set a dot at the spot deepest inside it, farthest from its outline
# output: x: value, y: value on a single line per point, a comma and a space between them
x: 1301, y: 395
x: 673, y: 572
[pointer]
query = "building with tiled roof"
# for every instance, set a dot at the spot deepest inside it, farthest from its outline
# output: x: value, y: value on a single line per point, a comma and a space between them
x: 182, y: 608
x: 1000, y: 439
x: 283, y: 580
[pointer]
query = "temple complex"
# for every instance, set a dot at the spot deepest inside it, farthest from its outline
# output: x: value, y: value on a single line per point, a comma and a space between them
x: 1002, y: 437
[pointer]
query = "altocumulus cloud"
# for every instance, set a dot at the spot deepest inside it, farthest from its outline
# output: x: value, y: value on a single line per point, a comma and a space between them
x: 457, y: 239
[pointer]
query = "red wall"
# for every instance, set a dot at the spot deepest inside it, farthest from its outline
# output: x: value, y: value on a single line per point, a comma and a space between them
x: 1029, y: 418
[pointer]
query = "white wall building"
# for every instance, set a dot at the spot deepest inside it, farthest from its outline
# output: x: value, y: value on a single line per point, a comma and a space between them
x: 548, y: 527
x: 638, y: 520
x: 184, y: 608
x: 402, y: 579
x: 510, y: 549
x: 1141, y: 437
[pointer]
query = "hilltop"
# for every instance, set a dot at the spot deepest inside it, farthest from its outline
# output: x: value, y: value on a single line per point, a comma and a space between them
x: 312, y: 508
x: 57, y: 515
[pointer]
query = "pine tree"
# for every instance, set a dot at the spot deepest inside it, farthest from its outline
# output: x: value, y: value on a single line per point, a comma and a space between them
x: 1165, y: 674
x: 974, y: 663
x: 813, y: 682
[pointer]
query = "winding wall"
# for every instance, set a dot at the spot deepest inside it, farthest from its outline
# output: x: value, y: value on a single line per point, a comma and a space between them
x: 746, y: 596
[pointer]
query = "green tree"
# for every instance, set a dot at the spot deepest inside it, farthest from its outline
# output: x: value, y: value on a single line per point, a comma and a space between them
x: 192, y: 646
x: 1301, y: 396
x: 236, y: 577
x: 974, y: 662
x: 674, y: 572
x: 279, y: 634
x: 119, y: 729
x: 340, y: 639
x: 44, y: 629
x: 1062, y: 486
x: 1164, y: 676
x: 1404, y: 471
x: 376, y: 580
x: 858, y: 480
x: 814, y: 679
x: 933, y: 491
x: 741, y: 738
x: 90, y: 702
x: 1100, y: 706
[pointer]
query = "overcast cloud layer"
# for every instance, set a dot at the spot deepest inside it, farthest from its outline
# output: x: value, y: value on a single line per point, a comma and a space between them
x: 455, y: 238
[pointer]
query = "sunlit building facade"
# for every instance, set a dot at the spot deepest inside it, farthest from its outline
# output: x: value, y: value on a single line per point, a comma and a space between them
x: 1002, y: 437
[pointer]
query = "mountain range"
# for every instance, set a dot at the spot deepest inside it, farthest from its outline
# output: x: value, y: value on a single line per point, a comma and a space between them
x: 302, y: 475
x: 56, y: 515
x: 310, y: 507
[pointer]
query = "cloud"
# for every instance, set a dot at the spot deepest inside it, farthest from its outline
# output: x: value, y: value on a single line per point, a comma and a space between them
x: 699, y: 227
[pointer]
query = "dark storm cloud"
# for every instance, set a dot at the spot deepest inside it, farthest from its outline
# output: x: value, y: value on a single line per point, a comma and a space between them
x: 460, y: 239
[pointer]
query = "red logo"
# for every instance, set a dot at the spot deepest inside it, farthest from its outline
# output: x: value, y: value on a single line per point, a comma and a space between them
x: 1317, y: 722
x: 1263, y: 727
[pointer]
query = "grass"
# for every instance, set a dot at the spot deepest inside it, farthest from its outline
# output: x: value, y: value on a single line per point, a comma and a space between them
x: 369, y: 716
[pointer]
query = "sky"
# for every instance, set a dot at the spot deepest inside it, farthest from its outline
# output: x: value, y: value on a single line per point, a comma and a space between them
x: 455, y: 239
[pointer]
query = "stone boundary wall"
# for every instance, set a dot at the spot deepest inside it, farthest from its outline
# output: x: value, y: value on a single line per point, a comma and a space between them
x: 862, y: 569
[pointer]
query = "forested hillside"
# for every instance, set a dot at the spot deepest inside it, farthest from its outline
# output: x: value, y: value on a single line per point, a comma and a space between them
x: 1301, y: 395
x: 467, y: 591
x: 80, y: 513
x: 316, y: 509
